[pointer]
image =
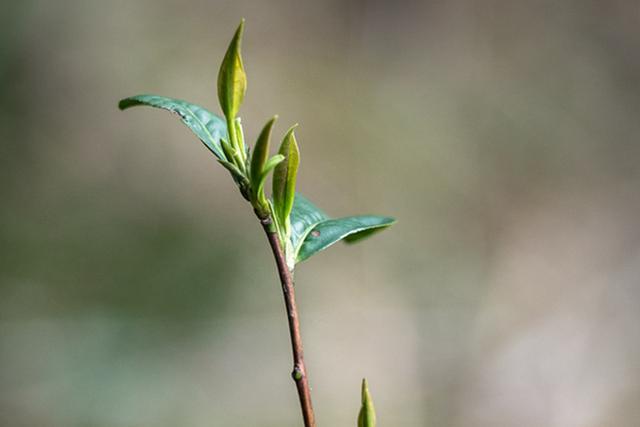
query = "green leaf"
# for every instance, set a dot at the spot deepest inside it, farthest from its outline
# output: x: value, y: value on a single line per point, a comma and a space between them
x: 367, y: 415
x: 284, y: 179
x: 258, y: 162
x: 350, y: 228
x: 208, y: 127
x: 313, y: 231
x: 268, y: 167
x: 304, y: 216
x: 232, y: 80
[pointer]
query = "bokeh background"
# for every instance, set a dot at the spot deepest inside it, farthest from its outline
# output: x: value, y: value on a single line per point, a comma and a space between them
x: 137, y: 289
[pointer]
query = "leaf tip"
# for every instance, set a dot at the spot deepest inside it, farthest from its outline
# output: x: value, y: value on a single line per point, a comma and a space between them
x: 367, y: 415
x: 388, y: 221
x: 238, y: 35
x: 289, y: 143
x: 292, y: 129
x: 123, y: 104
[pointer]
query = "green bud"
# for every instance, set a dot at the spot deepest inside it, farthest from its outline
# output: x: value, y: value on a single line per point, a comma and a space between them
x: 232, y: 80
x: 367, y: 415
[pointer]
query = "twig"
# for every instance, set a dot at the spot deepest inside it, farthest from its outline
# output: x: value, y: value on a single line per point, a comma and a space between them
x: 299, y: 373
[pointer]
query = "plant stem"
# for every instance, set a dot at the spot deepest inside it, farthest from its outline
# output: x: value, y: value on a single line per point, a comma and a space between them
x: 299, y: 373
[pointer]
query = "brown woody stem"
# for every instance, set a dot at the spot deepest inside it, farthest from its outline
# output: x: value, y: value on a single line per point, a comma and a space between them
x: 299, y: 373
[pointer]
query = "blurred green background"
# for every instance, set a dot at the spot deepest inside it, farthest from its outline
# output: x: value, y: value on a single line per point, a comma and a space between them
x: 137, y: 289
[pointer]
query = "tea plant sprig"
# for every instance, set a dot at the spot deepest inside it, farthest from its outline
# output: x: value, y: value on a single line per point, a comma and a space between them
x: 296, y: 229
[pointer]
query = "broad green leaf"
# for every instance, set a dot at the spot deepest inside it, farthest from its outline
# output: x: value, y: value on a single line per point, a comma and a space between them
x: 232, y: 80
x: 284, y: 178
x: 258, y: 162
x: 367, y: 415
x: 312, y: 230
x: 328, y: 232
x: 304, y: 216
x: 208, y: 127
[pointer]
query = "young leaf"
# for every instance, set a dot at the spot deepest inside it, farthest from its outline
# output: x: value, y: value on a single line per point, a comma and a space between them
x: 208, y: 127
x: 268, y: 167
x: 284, y: 178
x: 328, y: 232
x: 261, y: 152
x: 367, y: 415
x: 232, y: 80
x: 256, y: 172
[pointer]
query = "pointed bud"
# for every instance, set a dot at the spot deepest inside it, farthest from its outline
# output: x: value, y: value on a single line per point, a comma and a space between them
x: 367, y: 415
x: 232, y: 80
